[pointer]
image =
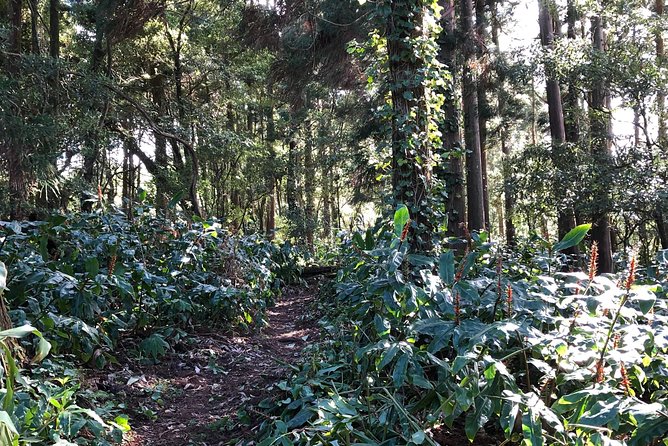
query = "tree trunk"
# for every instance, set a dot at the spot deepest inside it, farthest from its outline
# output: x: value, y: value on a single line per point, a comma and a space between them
x: 309, y: 188
x: 270, y: 226
x: 454, y: 177
x: 17, y: 170
x: 565, y: 216
x: 474, y: 182
x: 34, y: 18
x: 600, y: 129
x: 291, y: 185
x: 161, y: 161
x: 659, y: 213
x: 484, y: 109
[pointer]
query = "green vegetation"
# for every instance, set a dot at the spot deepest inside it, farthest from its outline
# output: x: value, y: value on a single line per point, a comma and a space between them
x: 485, y: 182
x: 482, y: 341
x: 99, y: 284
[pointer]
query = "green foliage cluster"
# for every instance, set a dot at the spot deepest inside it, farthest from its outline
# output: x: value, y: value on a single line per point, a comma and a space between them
x: 98, y: 284
x: 481, y: 340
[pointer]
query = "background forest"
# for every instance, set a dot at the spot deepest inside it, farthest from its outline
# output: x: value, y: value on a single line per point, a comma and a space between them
x: 278, y: 115
x: 489, y: 179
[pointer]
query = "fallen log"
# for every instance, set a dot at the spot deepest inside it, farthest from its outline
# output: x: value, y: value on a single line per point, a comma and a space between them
x: 318, y: 270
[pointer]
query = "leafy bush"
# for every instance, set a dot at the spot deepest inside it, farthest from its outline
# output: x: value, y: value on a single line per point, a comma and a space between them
x: 91, y: 282
x: 92, y: 279
x: 476, y: 341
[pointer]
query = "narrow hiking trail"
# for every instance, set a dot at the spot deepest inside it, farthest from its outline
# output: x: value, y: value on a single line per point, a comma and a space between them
x: 194, y: 397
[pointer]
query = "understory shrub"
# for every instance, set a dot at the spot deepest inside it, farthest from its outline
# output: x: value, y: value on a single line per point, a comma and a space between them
x: 478, y: 343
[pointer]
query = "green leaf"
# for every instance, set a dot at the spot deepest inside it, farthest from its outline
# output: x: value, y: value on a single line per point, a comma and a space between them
x: 358, y: 241
x: 418, y: 437
x: 401, y: 217
x: 43, y: 349
x: 388, y: 356
x: 399, y: 373
x: 154, y: 346
x: 92, y: 266
x: 175, y: 199
x: 3, y: 277
x: 446, y: 267
x: 573, y: 237
x: 301, y: 418
x: 17, y: 332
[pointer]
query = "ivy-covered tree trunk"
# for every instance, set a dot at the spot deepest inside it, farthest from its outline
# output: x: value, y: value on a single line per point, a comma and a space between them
x: 411, y: 152
x: 474, y: 183
x: 601, y: 145
x: 453, y: 172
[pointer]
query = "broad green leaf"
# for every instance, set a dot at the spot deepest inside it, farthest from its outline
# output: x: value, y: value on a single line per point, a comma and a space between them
x: 301, y: 418
x: 446, y: 267
x: 92, y: 266
x: 358, y: 241
x: 399, y: 373
x: 401, y: 217
x: 388, y: 356
x: 6, y: 420
x: 18, y: 332
x: 573, y: 237
x: 175, y: 199
x: 418, y: 437
x: 43, y: 349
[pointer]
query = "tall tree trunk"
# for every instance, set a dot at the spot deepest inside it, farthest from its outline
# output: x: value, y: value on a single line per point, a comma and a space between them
x: 474, y: 183
x: 601, y: 142
x: 34, y: 19
x: 161, y: 160
x: 484, y: 111
x: 309, y: 187
x: 565, y: 216
x: 325, y: 182
x: 291, y: 181
x: 270, y: 226
x: 54, y: 51
x: 454, y: 177
x: 660, y: 215
x: 504, y: 135
x: 17, y: 170
x: 572, y: 110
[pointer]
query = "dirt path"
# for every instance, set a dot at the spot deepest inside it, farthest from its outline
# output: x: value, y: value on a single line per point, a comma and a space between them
x: 205, y: 396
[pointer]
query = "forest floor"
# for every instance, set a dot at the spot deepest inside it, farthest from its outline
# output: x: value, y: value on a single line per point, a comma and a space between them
x: 206, y: 395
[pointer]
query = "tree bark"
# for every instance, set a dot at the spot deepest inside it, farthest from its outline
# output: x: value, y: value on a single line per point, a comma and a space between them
x: 474, y: 181
x: 565, y: 216
x: 484, y: 111
x: 270, y: 226
x: 161, y: 161
x: 309, y: 187
x: 601, y: 145
x: 660, y: 216
x: 17, y: 170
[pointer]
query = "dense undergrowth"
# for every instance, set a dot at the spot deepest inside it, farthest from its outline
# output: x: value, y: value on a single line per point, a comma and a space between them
x: 481, y: 342
x: 99, y: 285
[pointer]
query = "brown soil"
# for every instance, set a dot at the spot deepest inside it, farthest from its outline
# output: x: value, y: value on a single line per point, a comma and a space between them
x: 206, y: 395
